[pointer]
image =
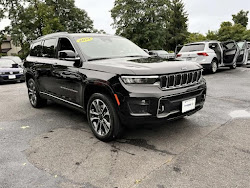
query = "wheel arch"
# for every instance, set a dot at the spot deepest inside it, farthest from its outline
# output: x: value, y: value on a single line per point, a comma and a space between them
x: 98, y: 87
x: 28, y: 76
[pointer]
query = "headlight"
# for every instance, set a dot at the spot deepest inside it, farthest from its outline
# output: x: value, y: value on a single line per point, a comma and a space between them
x: 21, y: 72
x: 1, y: 73
x: 141, y: 80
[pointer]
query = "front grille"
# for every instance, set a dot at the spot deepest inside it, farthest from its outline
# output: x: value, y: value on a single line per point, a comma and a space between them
x: 180, y: 79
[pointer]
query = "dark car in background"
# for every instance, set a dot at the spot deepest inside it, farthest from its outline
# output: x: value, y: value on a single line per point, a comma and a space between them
x: 112, y: 80
x: 10, y: 71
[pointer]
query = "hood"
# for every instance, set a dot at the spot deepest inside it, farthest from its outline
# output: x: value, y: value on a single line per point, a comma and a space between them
x: 10, y: 69
x: 142, y: 66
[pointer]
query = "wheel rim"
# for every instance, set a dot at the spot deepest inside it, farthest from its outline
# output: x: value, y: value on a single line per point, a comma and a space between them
x: 32, y: 92
x: 100, y: 117
x: 214, y: 67
x: 234, y: 65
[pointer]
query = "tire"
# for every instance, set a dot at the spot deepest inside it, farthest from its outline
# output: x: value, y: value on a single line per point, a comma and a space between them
x: 103, y: 118
x: 233, y: 66
x: 35, y: 100
x: 214, y: 67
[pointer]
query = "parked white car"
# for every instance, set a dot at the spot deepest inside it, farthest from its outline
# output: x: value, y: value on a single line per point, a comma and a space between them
x: 162, y: 54
x: 211, y: 54
x: 16, y: 59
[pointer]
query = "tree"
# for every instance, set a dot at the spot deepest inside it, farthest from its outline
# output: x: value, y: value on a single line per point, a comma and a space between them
x: 151, y: 24
x: 31, y: 19
x: 195, y: 37
x: 143, y: 22
x: 212, y: 35
x: 241, y: 18
x: 177, y: 25
x: 72, y: 19
x: 2, y: 38
x: 1, y: 14
x: 228, y: 31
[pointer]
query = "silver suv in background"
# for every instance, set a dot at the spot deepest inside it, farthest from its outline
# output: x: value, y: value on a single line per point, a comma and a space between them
x: 211, y: 54
x: 162, y: 54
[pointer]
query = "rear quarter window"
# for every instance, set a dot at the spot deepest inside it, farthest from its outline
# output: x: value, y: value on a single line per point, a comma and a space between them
x: 49, y: 48
x: 36, y: 49
x: 193, y: 48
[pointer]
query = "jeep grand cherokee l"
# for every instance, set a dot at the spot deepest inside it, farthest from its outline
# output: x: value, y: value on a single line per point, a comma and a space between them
x: 112, y: 80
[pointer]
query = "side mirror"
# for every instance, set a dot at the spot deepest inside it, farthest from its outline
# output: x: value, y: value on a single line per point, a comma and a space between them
x: 68, y: 55
x: 146, y: 50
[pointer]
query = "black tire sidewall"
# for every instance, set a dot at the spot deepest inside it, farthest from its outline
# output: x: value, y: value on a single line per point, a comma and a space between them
x: 39, y: 101
x: 115, y: 122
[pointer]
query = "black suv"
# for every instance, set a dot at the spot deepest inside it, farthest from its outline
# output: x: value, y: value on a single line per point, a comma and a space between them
x: 112, y: 80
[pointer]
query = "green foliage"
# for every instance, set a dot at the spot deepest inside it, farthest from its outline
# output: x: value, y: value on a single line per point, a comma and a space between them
x: 151, y: 24
x: 231, y: 32
x: 195, y: 37
x: 1, y: 14
x: 241, y: 18
x: 31, y: 19
x: 177, y: 25
x: 212, y: 35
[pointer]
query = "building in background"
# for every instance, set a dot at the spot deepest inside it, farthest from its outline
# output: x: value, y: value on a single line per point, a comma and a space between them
x: 8, y: 48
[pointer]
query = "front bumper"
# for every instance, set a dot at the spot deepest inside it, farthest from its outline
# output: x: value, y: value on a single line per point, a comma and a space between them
x: 161, y: 106
x: 18, y: 77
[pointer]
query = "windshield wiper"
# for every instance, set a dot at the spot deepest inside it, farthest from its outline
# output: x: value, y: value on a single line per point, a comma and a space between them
x: 135, y: 56
x: 99, y: 58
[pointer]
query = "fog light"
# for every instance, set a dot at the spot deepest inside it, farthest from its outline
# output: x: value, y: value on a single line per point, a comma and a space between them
x: 139, y: 106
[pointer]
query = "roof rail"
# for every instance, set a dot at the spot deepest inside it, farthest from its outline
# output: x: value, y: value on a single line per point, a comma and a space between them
x: 52, y: 34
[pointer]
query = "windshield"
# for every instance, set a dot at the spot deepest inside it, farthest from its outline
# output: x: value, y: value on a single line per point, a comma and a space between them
x: 5, y: 63
x: 193, y: 47
x: 103, y: 47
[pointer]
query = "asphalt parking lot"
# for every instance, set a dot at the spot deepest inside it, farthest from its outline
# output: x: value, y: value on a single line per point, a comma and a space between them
x: 54, y: 147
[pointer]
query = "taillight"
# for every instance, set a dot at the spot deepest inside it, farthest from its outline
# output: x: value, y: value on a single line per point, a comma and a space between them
x: 178, y: 55
x: 202, y: 53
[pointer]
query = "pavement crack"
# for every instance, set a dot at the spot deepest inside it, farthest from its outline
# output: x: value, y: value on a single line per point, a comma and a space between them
x: 116, y: 149
x: 143, y: 144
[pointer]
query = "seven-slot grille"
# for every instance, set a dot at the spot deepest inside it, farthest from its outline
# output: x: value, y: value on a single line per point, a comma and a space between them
x: 180, y: 79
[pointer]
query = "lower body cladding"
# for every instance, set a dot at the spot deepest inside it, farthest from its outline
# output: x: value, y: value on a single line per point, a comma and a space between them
x: 141, y: 110
x: 12, y: 78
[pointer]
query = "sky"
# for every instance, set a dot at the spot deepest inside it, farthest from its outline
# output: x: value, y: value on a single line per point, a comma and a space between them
x: 204, y: 15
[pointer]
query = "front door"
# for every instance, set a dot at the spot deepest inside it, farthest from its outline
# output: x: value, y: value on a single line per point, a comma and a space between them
x: 230, y: 52
x: 242, y: 58
x: 66, y: 78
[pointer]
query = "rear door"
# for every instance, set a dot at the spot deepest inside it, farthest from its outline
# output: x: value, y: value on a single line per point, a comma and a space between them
x: 243, y: 54
x: 230, y: 52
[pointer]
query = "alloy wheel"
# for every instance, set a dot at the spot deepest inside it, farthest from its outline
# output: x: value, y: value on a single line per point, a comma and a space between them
x: 214, y: 67
x: 32, y: 92
x: 100, y: 117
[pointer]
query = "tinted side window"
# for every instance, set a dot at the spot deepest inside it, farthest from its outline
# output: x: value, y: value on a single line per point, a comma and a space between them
x: 65, y: 44
x: 213, y: 45
x: 36, y: 49
x: 49, y: 48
